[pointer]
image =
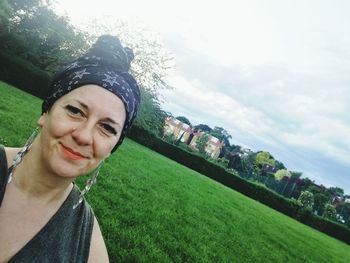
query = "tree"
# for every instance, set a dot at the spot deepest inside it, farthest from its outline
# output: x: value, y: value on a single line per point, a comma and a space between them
x: 221, y: 134
x: 231, y: 149
x: 295, y: 175
x: 152, y: 61
x: 37, y: 34
x: 264, y: 158
x: 330, y: 212
x: 201, y: 143
x: 184, y: 120
x: 234, y: 161
x: 306, y: 200
x: 234, y: 148
x: 307, y: 182
x: 279, y: 165
x: 280, y: 174
x: 321, y: 197
x: 150, y: 115
x: 4, y: 16
x: 203, y: 128
x: 248, y: 164
x: 343, y: 209
x: 336, y: 191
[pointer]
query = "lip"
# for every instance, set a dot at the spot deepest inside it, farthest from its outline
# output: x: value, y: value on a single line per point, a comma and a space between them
x: 71, y: 154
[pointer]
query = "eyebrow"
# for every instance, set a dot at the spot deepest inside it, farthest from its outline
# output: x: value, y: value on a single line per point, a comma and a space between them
x: 86, y: 107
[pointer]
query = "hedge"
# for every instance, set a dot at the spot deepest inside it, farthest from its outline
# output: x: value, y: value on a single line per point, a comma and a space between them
x: 24, y: 75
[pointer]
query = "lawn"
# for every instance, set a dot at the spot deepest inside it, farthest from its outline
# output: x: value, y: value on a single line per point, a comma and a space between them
x: 152, y: 209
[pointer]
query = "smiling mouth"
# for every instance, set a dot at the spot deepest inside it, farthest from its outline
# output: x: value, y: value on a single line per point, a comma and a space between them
x: 68, y: 152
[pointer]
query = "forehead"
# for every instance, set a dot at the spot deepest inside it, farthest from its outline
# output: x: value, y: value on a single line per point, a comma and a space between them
x: 98, y: 100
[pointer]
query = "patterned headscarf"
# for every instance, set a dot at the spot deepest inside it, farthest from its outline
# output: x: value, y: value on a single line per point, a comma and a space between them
x: 105, y: 64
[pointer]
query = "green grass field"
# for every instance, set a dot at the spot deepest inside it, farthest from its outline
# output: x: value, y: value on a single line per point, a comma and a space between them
x: 151, y: 209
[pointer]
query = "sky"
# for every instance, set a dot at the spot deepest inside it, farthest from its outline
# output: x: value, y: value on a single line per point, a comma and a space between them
x: 274, y: 74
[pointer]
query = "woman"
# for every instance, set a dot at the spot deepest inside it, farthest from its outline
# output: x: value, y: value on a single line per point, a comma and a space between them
x: 43, y: 215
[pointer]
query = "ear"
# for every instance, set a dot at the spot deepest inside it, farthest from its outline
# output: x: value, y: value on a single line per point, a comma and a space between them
x: 42, y: 120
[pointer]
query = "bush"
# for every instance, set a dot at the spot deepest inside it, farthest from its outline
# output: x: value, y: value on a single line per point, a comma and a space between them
x: 306, y: 200
x: 24, y: 75
x: 170, y: 138
x: 223, y: 162
x: 330, y: 212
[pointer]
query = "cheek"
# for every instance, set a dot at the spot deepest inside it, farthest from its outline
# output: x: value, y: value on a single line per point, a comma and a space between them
x: 103, y: 147
x: 55, y: 124
x: 59, y: 129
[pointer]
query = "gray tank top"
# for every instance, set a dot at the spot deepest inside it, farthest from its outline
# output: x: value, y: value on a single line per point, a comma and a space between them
x: 65, y: 238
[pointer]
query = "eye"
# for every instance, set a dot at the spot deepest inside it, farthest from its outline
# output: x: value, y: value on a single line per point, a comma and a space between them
x: 108, y: 128
x: 74, y: 110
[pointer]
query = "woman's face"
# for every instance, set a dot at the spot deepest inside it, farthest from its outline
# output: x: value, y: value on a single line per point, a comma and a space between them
x: 80, y: 130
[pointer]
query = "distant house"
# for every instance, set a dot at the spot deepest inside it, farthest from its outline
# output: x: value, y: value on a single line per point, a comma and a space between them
x: 336, y: 200
x: 177, y: 128
x: 190, y: 136
x: 195, y: 135
x: 346, y: 198
x: 213, y: 147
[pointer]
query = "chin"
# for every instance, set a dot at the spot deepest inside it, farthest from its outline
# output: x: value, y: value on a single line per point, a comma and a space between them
x: 67, y: 170
x: 66, y: 167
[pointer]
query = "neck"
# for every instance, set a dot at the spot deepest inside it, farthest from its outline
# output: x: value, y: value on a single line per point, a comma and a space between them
x: 33, y: 179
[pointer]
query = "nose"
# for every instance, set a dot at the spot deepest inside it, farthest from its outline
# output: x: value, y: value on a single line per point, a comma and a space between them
x: 83, y: 134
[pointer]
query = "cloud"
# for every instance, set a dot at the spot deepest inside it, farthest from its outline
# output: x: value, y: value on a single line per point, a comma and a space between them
x: 270, y: 107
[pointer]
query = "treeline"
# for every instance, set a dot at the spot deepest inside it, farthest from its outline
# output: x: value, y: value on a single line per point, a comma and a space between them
x: 35, y: 43
x: 262, y: 167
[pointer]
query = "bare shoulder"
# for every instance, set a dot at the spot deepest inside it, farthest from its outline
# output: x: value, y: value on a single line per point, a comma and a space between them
x: 98, y: 250
x: 10, y: 154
